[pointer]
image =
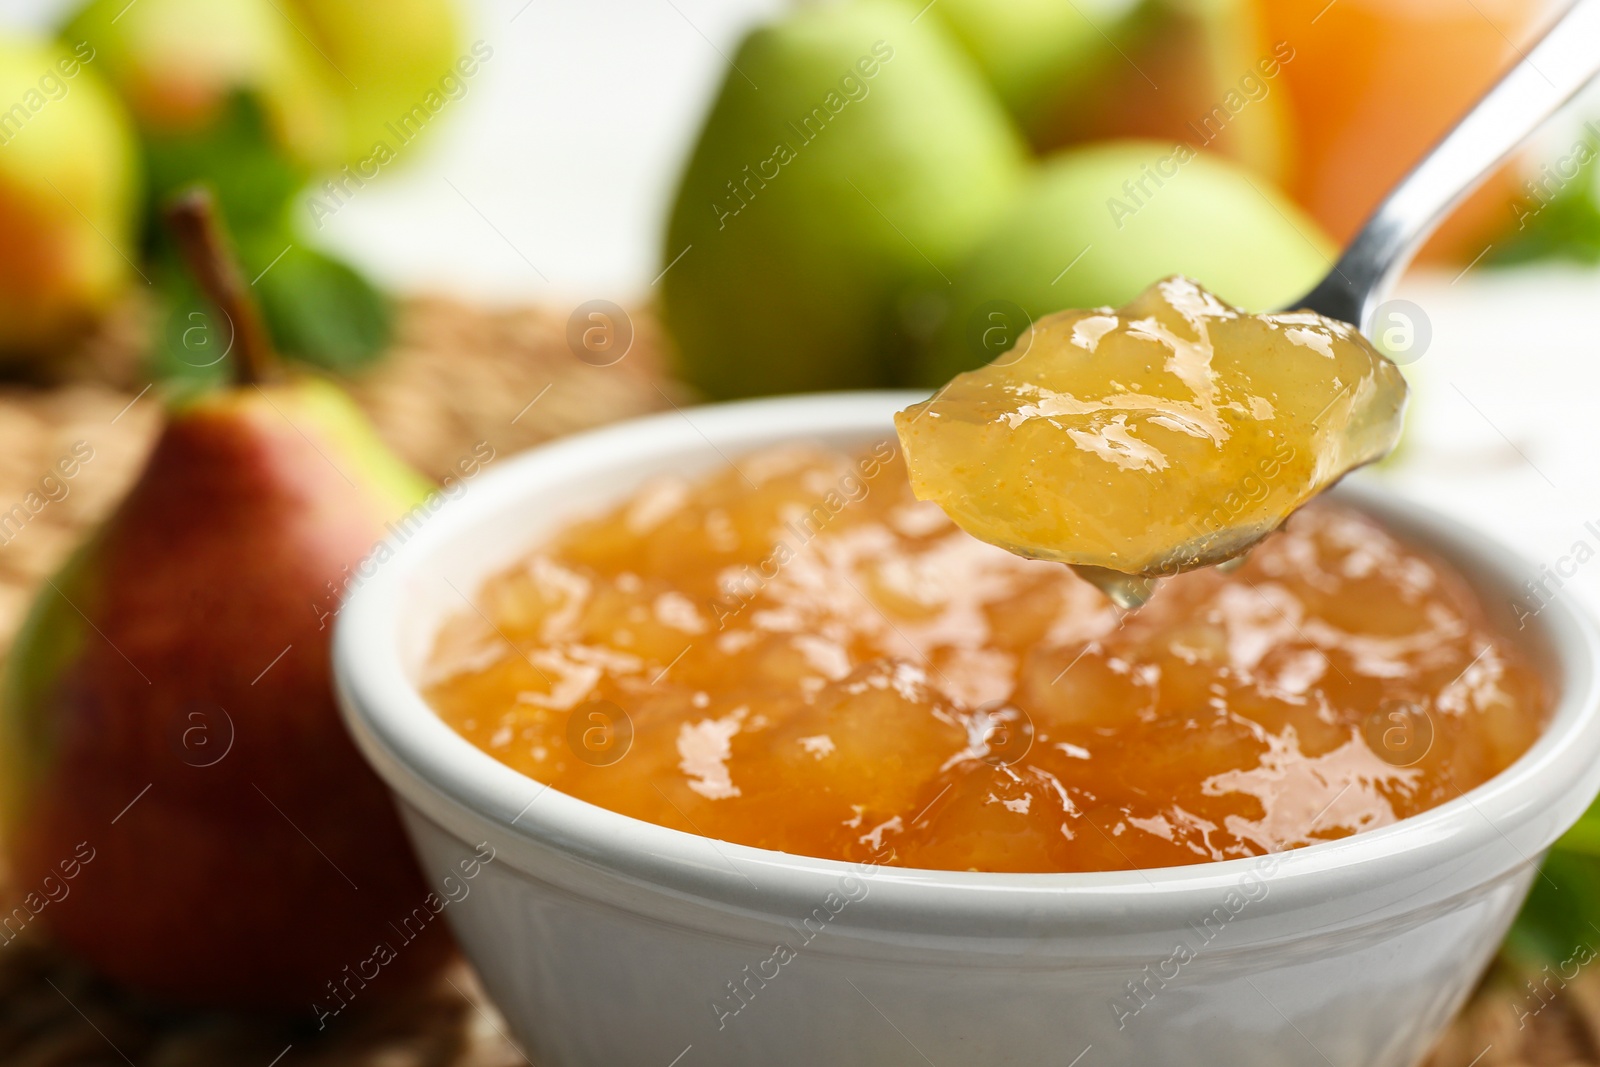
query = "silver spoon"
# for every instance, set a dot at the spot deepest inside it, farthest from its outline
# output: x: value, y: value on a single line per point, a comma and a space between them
x: 1566, y: 59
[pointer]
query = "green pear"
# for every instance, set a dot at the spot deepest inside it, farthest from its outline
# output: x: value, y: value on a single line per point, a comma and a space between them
x: 852, y: 153
x: 169, y: 736
x: 1099, y: 224
x: 1038, y: 53
x: 1198, y: 71
x: 393, y: 59
x: 68, y: 190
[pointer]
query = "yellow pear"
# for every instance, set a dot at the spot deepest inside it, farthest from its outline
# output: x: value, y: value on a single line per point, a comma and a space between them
x: 68, y: 190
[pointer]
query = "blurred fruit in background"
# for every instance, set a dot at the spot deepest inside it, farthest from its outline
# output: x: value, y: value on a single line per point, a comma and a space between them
x: 1375, y: 83
x: 173, y: 679
x: 1040, y: 56
x: 848, y: 262
x: 233, y: 93
x: 853, y: 152
x: 225, y: 89
x: 792, y: 266
x: 1199, y: 72
x: 69, y: 180
x: 385, y: 59
x: 1097, y: 223
x: 258, y: 98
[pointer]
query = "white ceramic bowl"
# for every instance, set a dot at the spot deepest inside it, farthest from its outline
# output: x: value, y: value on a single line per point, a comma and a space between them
x: 610, y: 942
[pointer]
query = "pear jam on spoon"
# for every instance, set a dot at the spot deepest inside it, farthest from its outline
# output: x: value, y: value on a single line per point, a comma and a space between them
x: 795, y: 653
x: 1170, y: 434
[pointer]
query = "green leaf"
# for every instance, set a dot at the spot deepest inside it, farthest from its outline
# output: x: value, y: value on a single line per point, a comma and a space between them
x: 1583, y: 839
x: 191, y: 340
x: 1563, y: 909
x: 1562, y: 912
x: 317, y: 308
x: 254, y: 181
x: 1563, y: 226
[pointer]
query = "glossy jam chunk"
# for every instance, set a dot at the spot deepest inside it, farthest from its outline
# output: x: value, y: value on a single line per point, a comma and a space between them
x: 1167, y: 435
x: 799, y: 655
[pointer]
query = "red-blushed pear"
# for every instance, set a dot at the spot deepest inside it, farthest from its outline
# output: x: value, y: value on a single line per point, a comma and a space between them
x: 168, y: 708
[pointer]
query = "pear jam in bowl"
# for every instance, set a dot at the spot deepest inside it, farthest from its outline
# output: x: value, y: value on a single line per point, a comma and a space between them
x: 769, y: 743
x: 794, y: 653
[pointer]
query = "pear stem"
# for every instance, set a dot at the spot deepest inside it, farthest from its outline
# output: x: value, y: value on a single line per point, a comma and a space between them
x: 202, y: 240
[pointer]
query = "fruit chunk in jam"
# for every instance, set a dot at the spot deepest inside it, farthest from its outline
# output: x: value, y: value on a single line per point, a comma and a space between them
x: 808, y: 659
x: 1167, y: 435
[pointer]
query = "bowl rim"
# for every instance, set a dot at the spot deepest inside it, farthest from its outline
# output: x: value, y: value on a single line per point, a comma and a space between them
x: 445, y: 776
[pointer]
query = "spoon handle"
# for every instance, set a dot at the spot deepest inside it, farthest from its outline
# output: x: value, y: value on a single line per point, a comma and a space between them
x: 1563, y: 62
